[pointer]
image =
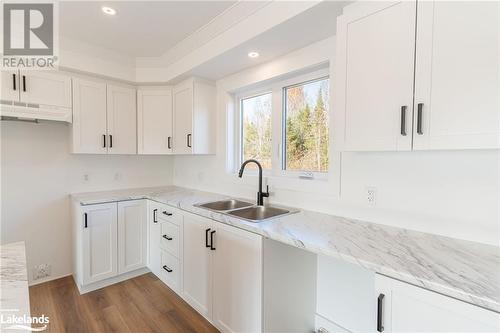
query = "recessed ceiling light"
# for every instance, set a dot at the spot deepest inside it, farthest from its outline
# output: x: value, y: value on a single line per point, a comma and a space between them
x: 108, y: 10
x: 253, y: 54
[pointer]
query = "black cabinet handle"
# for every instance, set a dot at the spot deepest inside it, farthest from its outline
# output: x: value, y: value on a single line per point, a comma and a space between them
x: 403, y: 120
x: 169, y: 142
x: 167, y: 269
x: 189, y: 140
x: 24, y: 83
x: 104, y: 141
x: 110, y: 141
x: 155, y: 215
x: 420, y: 112
x: 167, y: 238
x: 85, y: 220
x: 212, y: 247
x: 14, y: 81
x: 167, y: 213
x: 380, y: 313
x: 206, y: 238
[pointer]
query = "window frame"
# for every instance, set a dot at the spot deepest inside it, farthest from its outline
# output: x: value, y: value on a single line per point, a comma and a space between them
x: 278, y: 124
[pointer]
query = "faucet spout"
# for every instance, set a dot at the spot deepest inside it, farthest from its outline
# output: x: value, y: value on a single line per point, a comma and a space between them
x: 260, y: 195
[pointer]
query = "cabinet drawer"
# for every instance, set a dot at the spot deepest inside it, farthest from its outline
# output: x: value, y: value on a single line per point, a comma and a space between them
x: 169, y: 214
x: 170, y: 238
x: 170, y: 271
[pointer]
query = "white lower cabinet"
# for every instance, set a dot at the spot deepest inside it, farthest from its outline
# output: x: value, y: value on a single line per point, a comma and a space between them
x: 222, y: 276
x: 109, y: 242
x: 402, y: 307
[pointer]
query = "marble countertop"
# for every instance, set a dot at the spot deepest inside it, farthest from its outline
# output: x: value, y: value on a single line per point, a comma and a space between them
x: 14, y: 294
x: 461, y: 269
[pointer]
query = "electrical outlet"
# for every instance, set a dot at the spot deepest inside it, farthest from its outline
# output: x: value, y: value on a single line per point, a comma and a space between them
x: 41, y: 271
x: 118, y: 176
x: 371, y: 195
x: 85, y: 177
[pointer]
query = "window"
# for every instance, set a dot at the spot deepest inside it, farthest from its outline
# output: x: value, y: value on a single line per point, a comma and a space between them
x: 285, y: 126
x: 256, y: 129
x: 305, y: 129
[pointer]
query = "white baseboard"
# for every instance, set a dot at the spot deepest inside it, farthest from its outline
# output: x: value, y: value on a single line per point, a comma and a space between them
x: 104, y: 283
x: 51, y: 278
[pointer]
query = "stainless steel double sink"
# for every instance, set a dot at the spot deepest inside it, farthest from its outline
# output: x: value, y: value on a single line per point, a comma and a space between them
x: 246, y: 210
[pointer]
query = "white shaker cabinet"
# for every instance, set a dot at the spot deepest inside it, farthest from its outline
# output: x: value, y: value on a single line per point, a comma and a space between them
x: 387, y: 50
x: 46, y: 88
x: 197, y: 262
x: 132, y: 238
x: 237, y: 275
x: 154, y: 121
x: 104, y: 118
x: 89, y: 117
x: 402, y: 307
x: 374, y: 76
x: 121, y: 120
x: 457, y: 79
x: 194, y: 117
x: 99, y: 246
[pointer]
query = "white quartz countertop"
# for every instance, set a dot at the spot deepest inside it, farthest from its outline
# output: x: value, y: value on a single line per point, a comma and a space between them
x: 461, y: 269
x: 14, y: 294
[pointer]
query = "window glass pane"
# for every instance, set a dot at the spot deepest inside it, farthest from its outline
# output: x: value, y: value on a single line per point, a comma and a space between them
x: 306, y: 126
x: 256, y: 129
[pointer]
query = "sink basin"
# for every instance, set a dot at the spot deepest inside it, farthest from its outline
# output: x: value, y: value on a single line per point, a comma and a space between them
x: 259, y: 213
x: 224, y: 205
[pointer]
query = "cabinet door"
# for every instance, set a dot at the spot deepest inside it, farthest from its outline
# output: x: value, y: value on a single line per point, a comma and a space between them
x: 99, y: 242
x: 374, y: 76
x: 89, y: 117
x: 237, y: 280
x: 197, y: 264
x: 154, y: 115
x: 9, y: 86
x: 406, y: 308
x: 154, y: 257
x: 457, y: 81
x: 45, y: 87
x: 183, y: 118
x: 121, y: 120
x: 132, y: 240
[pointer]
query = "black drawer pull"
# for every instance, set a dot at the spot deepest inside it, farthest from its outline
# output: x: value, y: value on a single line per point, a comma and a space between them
x: 420, y: 111
x: 14, y: 81
x: 189, y: 140
x: 403, y: 120
x: 212, y: 247
x: 167, y: 269
x: 206, y: 238
x: 380, y: 313
x: 85, y: 219
x: 169, y: 145
x: 155, y: 215
x: 167, y: 238
x: 24, y: 83
x: 167, y: 213
x: 110, y: 141
x: 104, y: 141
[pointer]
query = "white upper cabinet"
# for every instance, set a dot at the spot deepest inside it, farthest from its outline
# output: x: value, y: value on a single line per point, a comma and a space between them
x: 374, y: 73
x: 154, y: 120
x: 104, y: 118
x: 389, y: 51
x: 89, y: 117
x: 46, y: 88
x: 457, y: 84
x: 9, y: 86
x: 121, y: 120
x: 194, y: 117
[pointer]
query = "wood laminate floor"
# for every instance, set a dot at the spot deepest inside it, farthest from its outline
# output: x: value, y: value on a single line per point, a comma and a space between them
x: 141, y: 304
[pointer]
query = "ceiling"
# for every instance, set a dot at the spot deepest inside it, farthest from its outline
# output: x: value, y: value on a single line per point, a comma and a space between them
x: 139, y: 28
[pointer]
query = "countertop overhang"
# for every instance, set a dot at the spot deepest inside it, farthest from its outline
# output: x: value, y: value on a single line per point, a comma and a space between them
x: 464, y: 270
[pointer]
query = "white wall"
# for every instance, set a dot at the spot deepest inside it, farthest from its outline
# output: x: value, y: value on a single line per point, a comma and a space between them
x: 452, y: 193
x: 38, y: 173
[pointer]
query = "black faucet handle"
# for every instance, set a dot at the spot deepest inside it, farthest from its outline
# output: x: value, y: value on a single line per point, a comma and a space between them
x: 266, y: 194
